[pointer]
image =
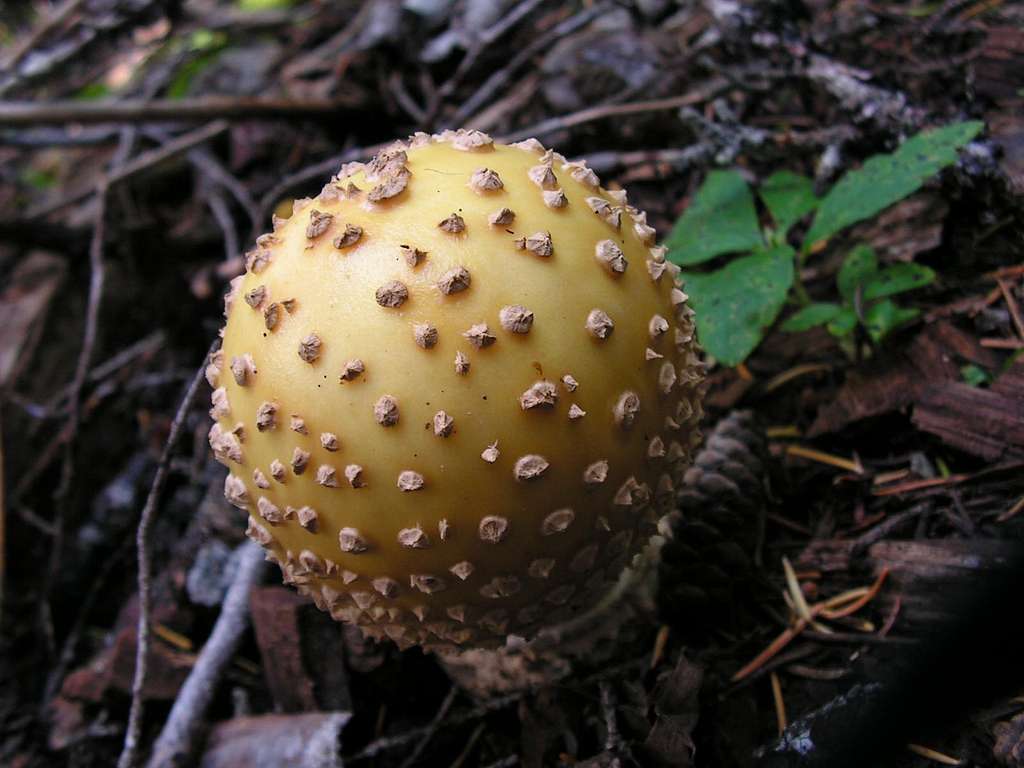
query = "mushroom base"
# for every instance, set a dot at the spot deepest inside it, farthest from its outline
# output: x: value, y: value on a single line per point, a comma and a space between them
x: 589, y: 639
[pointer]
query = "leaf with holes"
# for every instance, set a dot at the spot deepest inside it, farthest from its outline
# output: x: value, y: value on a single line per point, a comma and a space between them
x: 886, y: 179
x: 897, y: 279
x: 789, y: 197
x: 721, y: 219
x: 735, y: 305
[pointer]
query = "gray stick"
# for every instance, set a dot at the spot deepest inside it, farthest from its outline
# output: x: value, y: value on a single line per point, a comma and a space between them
x: 179, y: 735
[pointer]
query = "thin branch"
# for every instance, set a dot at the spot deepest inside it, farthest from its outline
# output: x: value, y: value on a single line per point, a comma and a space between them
x: 497, y: 82
x: 97, y: 587
x: 25, y: 113
x: 613, y: 739
x: 143, y: 162
x: 699, y: 95
x: 888, y: 526
x: 30, y: 40
x: 203, y: 160
x: 180, y: 733
x: 404, y: 98
x: 219, y: 209
x: 442, y: 711
x: 47, y: 137
x: 97, y: 276
x: 387, y: 743
x: 131, y: 738
x: 476, y: 47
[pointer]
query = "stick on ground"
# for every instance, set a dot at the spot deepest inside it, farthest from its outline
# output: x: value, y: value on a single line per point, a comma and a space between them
x: 180, y: 733
x: 131, y: 738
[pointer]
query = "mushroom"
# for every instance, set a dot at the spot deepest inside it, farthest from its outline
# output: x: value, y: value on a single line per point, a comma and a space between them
x: 392, y: 506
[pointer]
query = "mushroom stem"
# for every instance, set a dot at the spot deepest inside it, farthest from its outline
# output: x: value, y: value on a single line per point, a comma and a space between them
x: 594, y: 635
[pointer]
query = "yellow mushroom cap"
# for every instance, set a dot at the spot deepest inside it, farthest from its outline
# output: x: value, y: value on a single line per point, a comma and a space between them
x: 456, y: 390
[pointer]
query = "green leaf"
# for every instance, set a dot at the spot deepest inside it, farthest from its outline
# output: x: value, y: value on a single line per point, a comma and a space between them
x: 810, y: 316
x: 735, y: 304
x: 975, y: 375
x: 897, y: 279
x: 92, y: 91
x: 39, y: 178
x: 263, y: 5
x: 843, y: 323
x: 207, y: 40
x: 721, y: 219
x: 789, y: 196
x: 886, y: 179
x: 883, y: 317
x: 859, y: 265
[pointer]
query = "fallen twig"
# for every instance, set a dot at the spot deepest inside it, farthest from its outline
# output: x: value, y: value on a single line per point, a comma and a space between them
x: 834, y: 607
x: 146, y: 160
x: 131, y: 738
x: 386, y: 743
x: 498, y: 80
x: 1012, y: 511
x: 29, y: 41
x: 476, y: 47
x: 612, y: 739
x: 702, y: 93
x: 70, y: 432
x: 1011, y: 304
x: 179, y: 735
x: 442, y: 712
x: 22, y: 113
x: 887, y: 526
x: 203, y: 160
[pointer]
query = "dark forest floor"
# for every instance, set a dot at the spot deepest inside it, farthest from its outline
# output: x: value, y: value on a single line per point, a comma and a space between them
x: 899, y: 465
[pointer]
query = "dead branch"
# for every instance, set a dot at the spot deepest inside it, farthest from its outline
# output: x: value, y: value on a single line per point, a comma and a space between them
x: 131, y: 739
x: 22, y: 113
x: 58, y: 17
x: 698, y: 95
x: 181, y: 731
x: 143, y: 162
x: 442, y: 712
x: 499, y: 80
x: 387, y: 743
x: 478, y: 46
x: 70, y: 432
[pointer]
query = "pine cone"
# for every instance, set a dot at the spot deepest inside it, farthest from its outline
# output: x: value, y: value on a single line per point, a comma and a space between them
x: 707, y: 562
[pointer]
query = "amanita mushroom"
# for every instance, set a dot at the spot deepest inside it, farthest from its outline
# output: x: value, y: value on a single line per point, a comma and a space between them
x: 460, y: 387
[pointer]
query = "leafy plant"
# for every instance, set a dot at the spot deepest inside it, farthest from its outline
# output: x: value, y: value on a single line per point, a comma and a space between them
x: 864, y: 290
x: 737, y: 304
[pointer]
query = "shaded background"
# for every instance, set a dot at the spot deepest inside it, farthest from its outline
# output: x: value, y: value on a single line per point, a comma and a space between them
x: 144, y: 145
